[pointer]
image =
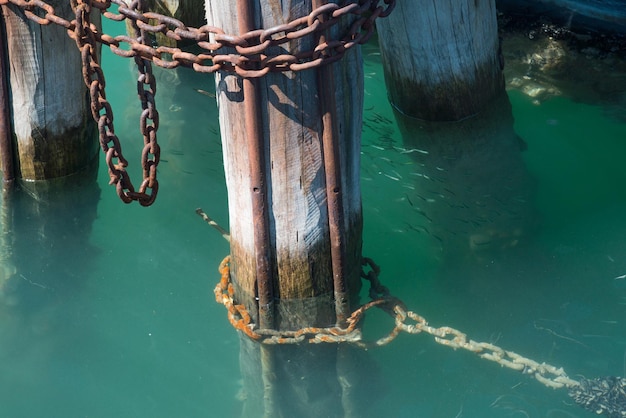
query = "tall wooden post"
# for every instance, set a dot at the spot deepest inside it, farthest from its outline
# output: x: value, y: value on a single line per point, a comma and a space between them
x: 291, y: 154
x: 441, y: 58
x: 53, y: 128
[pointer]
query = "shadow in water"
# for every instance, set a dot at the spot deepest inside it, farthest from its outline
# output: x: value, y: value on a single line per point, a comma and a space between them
x: 45, y: 255
x: 308, y: 380
x: 473, y: 194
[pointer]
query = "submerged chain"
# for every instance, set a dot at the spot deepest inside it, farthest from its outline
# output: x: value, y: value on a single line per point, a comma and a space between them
x: 240, y: 318
x: 547, y: 374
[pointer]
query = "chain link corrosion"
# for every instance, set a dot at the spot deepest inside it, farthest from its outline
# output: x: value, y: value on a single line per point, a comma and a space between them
x: 239, y: 317
x: 252, y: 59
x: 85, y: 36
x: 254, y: 49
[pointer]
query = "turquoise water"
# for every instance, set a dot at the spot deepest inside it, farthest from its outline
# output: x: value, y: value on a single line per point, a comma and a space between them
x: 107, y: 309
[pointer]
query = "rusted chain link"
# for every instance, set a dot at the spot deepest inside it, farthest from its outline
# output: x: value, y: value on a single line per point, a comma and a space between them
x: 149, y: 119
x: 86, y: 36
x: 253, y: 59
x: 238, y: 316
x: 84, y: 33
x: 545, y: 373
x: 376, y: 288
x: 241, y: 320
x: 253, y: 48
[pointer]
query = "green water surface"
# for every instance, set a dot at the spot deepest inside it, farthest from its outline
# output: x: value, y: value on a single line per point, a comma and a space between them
x: 108, y: 309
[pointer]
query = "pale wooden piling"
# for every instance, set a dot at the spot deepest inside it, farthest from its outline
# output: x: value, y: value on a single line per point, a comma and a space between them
x: 286, y: 187
x: 291, y: 128
x: 441, y: 58
x: 54, y: 133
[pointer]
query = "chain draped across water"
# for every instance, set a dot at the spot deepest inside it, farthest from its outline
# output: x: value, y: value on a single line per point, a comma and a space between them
x: 252, y: 59
x: 240, y: 318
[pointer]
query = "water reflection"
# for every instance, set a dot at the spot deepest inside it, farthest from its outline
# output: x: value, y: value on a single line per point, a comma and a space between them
x: 45, y: 256
x: 312, y: 380
x: 472, y: 193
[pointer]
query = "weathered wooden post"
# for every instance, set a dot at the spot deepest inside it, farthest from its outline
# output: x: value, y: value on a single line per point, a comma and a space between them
x: 274, y: 153
x: 289, y: 171
x: 441, y: 58
x: 53, y: 128
x: 291, y: 144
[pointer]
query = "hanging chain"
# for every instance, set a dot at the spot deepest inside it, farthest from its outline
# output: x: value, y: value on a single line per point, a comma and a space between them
x: 255, y: 57
x: 149, y: 119
x: 84, y: 34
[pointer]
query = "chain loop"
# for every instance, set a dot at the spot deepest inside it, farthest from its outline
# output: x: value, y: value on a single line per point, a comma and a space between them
x: 405, y: 321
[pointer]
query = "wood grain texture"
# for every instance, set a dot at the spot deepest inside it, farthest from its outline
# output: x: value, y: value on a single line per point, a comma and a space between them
x: 441, y: 57
x: 292, y: 130
x: 53, y: 128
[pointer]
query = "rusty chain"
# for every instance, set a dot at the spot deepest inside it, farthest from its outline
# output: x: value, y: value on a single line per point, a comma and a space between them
x: 252, y: 59
x: 253, y: 48
x: 238, y: 316
x: 149, y: 119
x: 84, y: 34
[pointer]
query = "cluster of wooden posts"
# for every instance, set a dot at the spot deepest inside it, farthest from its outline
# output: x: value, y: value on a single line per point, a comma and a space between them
x: 441, y: 61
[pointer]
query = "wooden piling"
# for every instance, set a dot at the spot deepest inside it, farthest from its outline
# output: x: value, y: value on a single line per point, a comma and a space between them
x: 291, y: 130
x: 291, y: 145
x: 441, y: 59
x: 187, y: 11
x: 332, y: 170
x: 54, y: 132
